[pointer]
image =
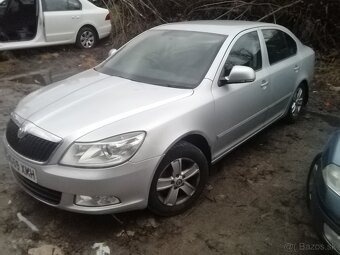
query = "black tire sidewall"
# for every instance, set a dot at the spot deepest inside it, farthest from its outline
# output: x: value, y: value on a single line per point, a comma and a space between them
x: 311, y: 174
x: 82, y: 30
x: 180, y: 150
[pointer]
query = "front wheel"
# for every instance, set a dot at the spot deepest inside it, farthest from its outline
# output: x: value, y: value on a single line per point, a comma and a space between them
x: 86, y: 38
x: 179, y: 180
x: 310, y: 179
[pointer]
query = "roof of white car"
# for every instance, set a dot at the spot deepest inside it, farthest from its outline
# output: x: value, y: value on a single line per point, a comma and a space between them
x: 225, y: 27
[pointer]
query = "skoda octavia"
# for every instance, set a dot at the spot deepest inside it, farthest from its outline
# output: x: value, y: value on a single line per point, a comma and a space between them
x: 142, y: 128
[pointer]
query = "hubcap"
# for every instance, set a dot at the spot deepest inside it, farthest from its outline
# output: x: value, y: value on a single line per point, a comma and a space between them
x: 87, y: 39
x: 297, y: 102
x: 178, y: 181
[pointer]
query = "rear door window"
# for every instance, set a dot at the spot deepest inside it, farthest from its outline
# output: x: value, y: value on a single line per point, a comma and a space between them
x: 279, y: 45
x: 61, y: 5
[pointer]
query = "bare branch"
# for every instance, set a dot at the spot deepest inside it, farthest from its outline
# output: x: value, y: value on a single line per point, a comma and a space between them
x: 280, y: 9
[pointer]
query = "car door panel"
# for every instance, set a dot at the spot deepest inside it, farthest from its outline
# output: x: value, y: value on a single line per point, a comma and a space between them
x: 61, y: 26
x: 283, y: 79
x: 284, y: 65
x: 240, y: 108
x: 60, y: 22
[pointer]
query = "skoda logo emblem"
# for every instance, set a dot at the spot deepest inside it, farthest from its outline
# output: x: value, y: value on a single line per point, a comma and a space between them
x: 22, y: 131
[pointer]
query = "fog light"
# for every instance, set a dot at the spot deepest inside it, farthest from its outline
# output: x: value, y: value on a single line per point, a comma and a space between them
x: 332, y: 237
x: 100, y: 200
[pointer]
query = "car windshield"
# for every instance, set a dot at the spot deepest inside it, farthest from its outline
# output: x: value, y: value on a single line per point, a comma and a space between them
x: 166, y: 58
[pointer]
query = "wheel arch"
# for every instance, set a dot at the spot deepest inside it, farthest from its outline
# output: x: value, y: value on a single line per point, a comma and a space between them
x: 197, y: 139
x: 192, y: 139
x: 200, y: 142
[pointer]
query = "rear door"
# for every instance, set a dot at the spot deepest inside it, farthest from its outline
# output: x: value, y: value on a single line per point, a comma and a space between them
x: 284, y: 66
x: 62, y: 19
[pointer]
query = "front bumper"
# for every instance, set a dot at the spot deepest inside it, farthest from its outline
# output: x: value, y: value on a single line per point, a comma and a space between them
x: 325, y: 226
x: 129, y: 182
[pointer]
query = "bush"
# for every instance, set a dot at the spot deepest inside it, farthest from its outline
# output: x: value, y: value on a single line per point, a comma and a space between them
x: 315, y: 22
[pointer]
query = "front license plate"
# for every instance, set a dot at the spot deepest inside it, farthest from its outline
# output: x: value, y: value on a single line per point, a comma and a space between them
x: 22, y: 169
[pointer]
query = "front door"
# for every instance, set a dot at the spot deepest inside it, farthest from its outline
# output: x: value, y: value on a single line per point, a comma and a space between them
x: 241, y: 108
x: 62, y: 19
x: 18, y: 20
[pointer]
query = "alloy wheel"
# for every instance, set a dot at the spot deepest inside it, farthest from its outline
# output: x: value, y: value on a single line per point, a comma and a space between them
x: 297, y: 102
x: 178, y: 181
x: 87, y: 39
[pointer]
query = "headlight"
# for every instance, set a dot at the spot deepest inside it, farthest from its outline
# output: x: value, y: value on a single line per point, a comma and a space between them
x: 109, y: 152
x: 331, y: 176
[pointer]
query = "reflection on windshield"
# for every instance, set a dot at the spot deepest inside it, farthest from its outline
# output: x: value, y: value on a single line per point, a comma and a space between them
x: 166, y: 58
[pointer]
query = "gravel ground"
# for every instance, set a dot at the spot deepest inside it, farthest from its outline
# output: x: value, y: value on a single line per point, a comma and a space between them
x: 254, y: 203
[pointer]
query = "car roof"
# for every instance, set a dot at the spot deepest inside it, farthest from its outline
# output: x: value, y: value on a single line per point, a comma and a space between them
x: 225, y: 27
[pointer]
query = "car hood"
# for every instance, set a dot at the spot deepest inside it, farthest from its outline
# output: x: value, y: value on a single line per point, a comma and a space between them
x: 90, y: 100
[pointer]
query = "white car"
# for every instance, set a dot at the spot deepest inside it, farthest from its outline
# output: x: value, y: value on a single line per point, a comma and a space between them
x: 36, y: 23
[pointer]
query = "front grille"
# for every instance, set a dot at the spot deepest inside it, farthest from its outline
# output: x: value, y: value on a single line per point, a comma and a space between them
x: 45, y: 194
x: 29, y: 146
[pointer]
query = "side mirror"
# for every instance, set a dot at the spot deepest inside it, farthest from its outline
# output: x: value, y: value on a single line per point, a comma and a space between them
x: 112, y: 52
x: 239, y: 74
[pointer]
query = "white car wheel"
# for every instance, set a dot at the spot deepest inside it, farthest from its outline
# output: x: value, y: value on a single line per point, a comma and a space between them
x: 87, y: 38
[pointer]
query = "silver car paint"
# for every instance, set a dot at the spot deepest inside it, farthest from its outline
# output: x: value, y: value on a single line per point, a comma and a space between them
x: 92, y: 106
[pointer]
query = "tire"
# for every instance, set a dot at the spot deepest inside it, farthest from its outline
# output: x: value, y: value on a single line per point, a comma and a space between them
x: 179, y: 180
x: 297, y: 104
x: 87, y: 38
x: 310, y: 179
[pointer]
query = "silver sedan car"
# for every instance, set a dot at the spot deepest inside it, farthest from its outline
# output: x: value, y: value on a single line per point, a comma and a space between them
x: 141, y: 129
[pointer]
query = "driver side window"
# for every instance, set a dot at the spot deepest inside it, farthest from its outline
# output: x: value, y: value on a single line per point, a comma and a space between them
x: 245, y: 52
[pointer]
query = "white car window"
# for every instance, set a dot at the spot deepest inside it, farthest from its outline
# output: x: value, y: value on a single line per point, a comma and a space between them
x: 61, y: 5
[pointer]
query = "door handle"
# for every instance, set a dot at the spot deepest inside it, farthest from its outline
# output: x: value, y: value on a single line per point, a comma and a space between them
x: 264, y: 84
x: 75, y: 17
x: 296, y: 68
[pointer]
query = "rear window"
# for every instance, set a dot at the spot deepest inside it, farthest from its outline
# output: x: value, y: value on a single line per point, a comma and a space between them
x: 99, y: 3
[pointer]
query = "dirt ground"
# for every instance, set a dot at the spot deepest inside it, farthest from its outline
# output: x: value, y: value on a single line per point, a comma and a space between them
x: 254, y: 203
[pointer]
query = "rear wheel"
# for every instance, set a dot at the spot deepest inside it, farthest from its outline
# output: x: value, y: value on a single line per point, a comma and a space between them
x: 296, y: 105
x: 179, y: 180
x: 87, y: 38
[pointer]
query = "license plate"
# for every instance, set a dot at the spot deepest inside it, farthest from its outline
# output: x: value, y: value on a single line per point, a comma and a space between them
x: 22, y: 169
